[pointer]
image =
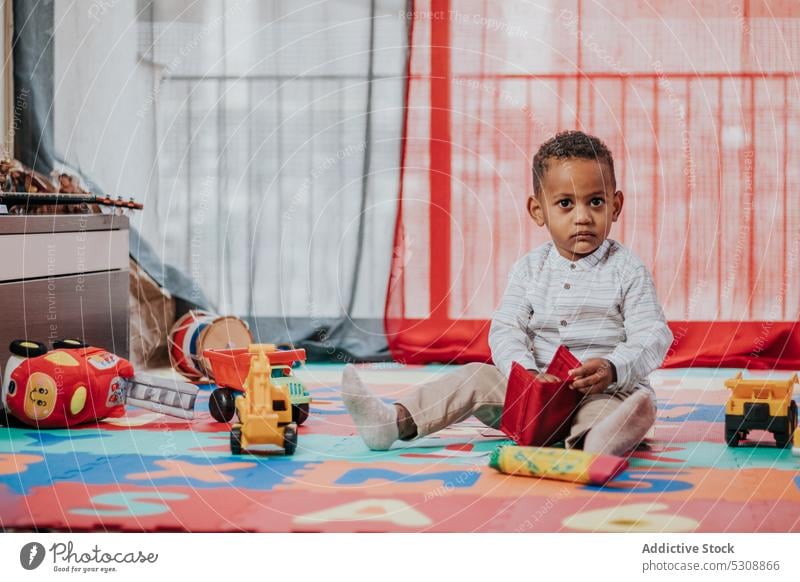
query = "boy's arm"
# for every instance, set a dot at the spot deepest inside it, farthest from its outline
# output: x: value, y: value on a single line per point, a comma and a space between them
x: 648, y: 336
x: 508, y: 337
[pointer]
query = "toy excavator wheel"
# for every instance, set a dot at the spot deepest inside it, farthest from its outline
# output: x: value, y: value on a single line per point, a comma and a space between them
x: 68, y: 344
x: 290, y: 439
x: 300, y: 413
x: 236, y: 440
x: 222, y: 404
x: 783, y: 438
x: 27, y: 348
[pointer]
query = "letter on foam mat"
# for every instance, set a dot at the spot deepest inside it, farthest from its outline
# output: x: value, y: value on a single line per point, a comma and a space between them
x: 638, y: 517
x: 391, y: 510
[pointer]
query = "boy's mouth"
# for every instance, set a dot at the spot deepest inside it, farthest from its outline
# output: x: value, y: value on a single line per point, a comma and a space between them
x: 583, y: 234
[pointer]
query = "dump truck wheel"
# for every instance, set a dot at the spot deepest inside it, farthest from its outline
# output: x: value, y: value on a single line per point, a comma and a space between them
x: 222, y: 404
x: 290, y: 439
x: 732, y: 437
x: 300, y: 413
x: 781, y: 440
x: 784, y: 437
x: 236, y: 440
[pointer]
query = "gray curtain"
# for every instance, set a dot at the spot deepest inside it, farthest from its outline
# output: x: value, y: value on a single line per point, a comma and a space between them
x: 263, y: 138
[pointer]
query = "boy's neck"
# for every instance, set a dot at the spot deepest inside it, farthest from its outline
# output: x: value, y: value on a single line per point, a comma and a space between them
x: 573, y: 257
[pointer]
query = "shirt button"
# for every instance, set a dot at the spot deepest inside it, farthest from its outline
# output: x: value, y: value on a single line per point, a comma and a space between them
x: 572, y: 265
x: 566, y: 285
x: 563, y: 322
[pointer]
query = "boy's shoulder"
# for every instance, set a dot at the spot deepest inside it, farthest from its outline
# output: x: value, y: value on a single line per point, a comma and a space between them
x: 533, y: 261
x: 621, y: 257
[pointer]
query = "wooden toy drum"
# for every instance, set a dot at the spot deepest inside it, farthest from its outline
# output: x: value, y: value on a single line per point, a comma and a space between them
x: 197, y: 331
x: 179, y: 355
x: 222, y: 333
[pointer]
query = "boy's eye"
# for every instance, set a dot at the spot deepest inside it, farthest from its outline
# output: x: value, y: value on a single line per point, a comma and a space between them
x: 597, y: 202
x: 565, y: 203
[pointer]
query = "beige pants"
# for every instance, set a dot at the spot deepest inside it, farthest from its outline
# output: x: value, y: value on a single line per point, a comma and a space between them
x: 480, y: 390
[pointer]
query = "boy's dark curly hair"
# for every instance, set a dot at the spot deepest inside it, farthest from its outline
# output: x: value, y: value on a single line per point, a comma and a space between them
x: 570, y: 144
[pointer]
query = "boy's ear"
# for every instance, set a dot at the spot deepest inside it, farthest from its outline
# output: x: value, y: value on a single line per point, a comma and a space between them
x: 619, y: 200
x: 535, y: 210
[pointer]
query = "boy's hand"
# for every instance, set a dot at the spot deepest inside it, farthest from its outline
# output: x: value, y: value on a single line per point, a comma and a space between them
x: 542, y: 377
x: 595, y: 375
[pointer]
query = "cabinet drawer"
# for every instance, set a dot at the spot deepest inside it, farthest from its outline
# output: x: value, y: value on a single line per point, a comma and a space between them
x: 50, y: 254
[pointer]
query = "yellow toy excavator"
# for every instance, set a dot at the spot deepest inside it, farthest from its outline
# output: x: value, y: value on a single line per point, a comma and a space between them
x: 264, y: 410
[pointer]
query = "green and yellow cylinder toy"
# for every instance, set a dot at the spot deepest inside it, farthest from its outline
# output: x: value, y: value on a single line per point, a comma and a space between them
x: 563, y: 464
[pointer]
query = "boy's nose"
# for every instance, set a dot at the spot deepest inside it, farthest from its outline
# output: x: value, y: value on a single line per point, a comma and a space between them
x: 582, y: 216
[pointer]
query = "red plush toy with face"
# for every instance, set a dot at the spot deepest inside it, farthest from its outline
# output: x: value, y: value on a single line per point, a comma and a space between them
x: 70, y: 385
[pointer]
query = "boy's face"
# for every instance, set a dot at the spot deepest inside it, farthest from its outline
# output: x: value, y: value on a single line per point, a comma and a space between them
x: 578, y: 204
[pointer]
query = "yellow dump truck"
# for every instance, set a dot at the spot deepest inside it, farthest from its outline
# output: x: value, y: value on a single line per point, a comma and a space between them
x: 759, y: 404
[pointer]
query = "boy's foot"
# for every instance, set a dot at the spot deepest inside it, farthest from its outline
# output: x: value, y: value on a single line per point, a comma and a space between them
x: 623, y: 429
x: 376, y: 421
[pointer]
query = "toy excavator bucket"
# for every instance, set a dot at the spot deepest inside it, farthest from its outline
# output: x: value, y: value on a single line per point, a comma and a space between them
x: 761, y: 388
x: 230, y: 367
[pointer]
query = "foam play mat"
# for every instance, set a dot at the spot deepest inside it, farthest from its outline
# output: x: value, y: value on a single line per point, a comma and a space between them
x: 148, y: 472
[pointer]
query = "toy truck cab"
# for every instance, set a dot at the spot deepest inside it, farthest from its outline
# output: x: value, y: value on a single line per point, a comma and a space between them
x: 759, y: 404
x: 282, y: 375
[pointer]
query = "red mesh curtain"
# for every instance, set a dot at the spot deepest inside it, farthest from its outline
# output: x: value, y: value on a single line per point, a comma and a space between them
x: 698, y: 101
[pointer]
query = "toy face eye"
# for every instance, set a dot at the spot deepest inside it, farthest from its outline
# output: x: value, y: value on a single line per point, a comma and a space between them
x: 12, y: 388
x: 41, y: 390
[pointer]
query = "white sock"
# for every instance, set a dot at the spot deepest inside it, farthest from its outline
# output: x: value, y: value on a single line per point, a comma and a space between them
x: 623, y: 429
x: 376, y: 421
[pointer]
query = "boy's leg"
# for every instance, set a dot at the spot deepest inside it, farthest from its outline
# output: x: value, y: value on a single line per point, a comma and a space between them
x: 477, y: 389
x: 473, y: 389
x: 612, y: 424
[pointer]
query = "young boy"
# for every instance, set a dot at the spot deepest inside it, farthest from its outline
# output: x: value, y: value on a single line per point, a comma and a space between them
x: 582, y: 290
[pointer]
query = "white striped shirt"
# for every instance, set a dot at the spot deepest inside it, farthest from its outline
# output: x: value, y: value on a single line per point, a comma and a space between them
x: 601, y: 306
